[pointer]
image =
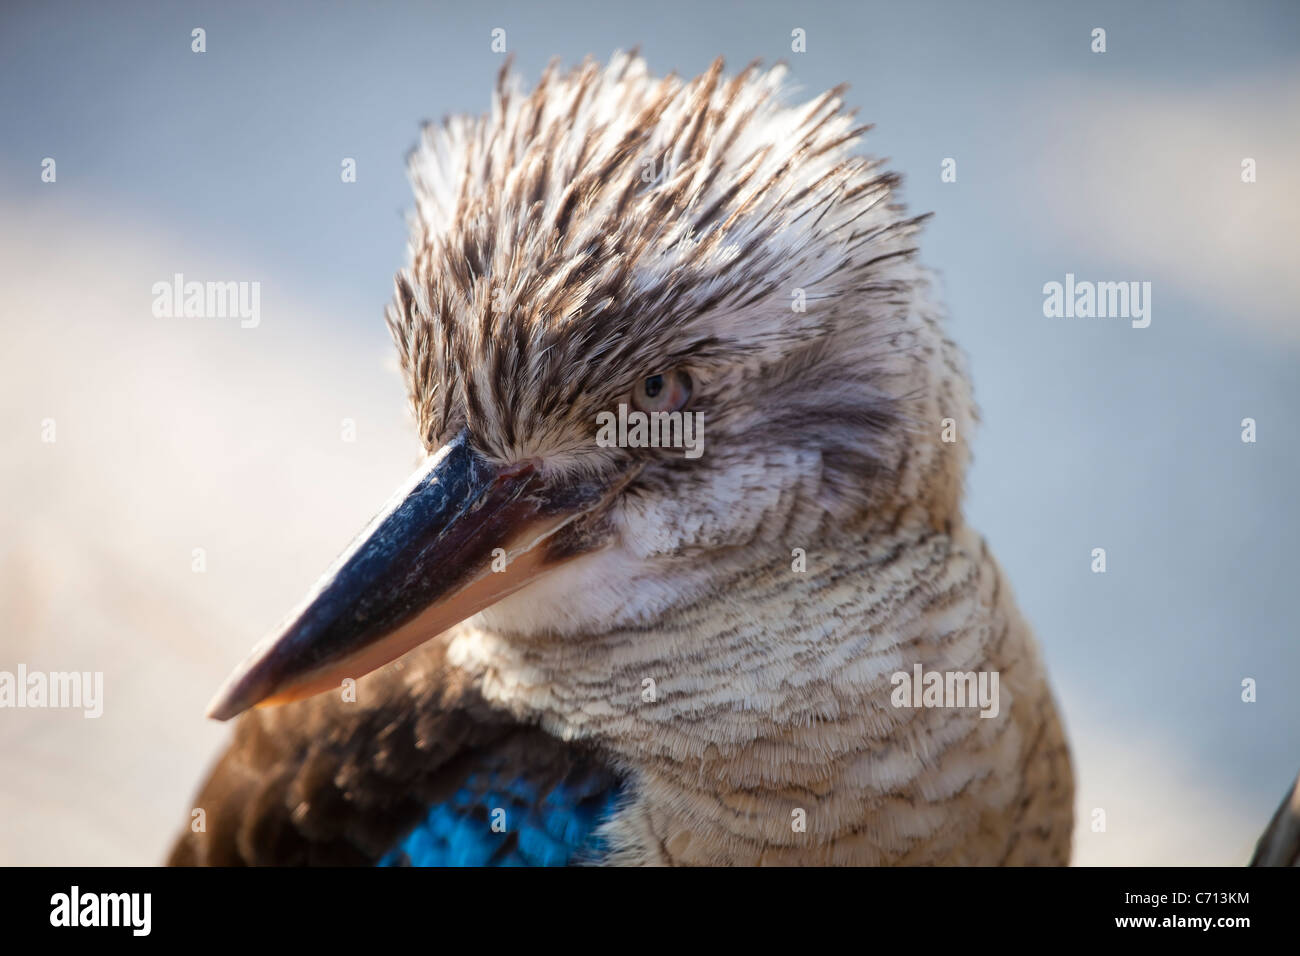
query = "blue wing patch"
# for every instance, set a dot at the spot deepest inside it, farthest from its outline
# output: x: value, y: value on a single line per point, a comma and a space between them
x: 556, y: 827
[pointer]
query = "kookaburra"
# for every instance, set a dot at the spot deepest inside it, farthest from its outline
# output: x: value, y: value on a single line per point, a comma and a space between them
x: 551, y: 649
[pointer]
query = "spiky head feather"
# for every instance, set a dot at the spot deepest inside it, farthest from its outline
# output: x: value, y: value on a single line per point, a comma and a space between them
x: 610, y: 224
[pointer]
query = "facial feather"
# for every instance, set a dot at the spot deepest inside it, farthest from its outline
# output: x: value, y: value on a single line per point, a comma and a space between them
x: 609, y: 225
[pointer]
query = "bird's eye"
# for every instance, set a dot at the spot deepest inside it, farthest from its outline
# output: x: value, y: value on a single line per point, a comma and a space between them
x: 662, y: 392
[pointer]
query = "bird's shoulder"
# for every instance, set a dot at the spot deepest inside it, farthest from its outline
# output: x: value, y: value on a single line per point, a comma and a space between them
x: 417, y: 769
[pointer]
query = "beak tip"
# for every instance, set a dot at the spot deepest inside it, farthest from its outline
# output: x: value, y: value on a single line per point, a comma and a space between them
x: 223, y: 708
x: 234, y: 697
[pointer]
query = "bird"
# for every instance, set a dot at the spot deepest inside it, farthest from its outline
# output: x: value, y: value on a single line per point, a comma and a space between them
x: 549, y: 650
x: 1279, y: 844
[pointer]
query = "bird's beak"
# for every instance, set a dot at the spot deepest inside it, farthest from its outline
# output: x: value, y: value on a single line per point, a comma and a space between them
x: 462, y: 534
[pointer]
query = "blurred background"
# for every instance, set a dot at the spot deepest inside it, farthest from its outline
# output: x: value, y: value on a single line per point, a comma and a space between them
x: 176, y: 434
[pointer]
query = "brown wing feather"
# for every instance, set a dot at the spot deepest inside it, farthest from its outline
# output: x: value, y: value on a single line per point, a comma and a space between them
x: 328, y: 782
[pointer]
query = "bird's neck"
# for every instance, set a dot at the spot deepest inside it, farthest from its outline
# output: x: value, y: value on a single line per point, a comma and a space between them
x: 735, y: 712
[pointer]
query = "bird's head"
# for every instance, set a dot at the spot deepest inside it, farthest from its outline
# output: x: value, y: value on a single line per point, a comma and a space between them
x: 694, y: 248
